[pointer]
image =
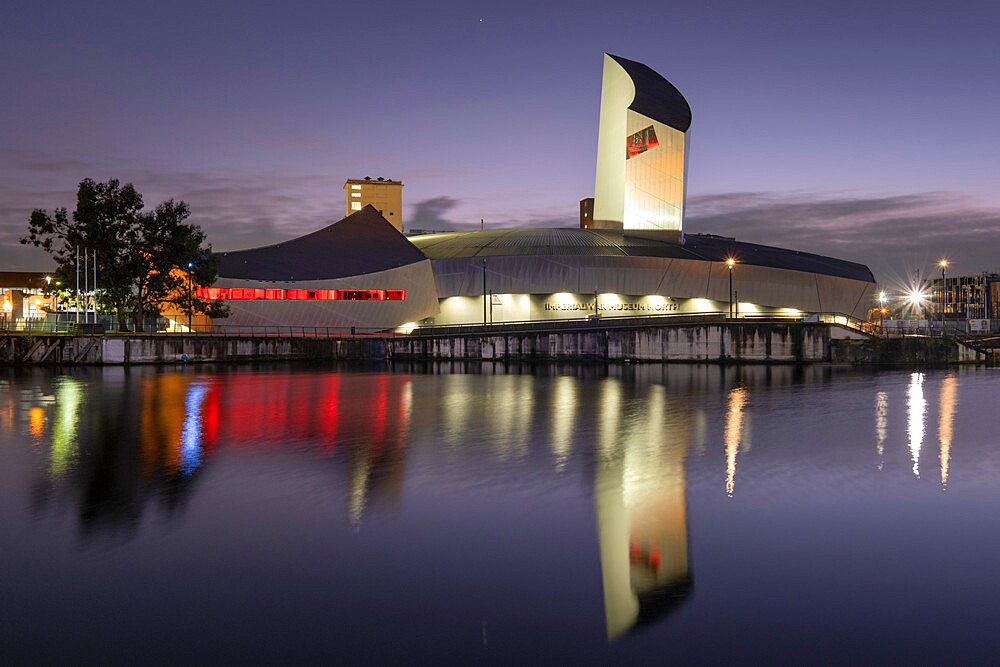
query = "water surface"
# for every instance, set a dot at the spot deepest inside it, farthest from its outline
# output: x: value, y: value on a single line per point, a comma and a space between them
x: 577, y: 513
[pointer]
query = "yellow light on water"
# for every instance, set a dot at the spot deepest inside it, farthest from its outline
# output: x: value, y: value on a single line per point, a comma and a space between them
x: 733, y: 434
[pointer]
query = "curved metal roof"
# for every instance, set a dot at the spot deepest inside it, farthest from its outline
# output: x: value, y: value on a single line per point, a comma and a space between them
x: 630, y: 243
x: 363, y: 242
x: 655, y: 97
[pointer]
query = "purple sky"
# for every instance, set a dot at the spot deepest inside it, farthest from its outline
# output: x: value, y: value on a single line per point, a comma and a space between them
x: 865, y: 130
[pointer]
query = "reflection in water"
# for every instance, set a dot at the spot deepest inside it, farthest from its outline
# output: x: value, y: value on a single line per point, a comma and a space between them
x: 949, y: 399
x: 69, y: 396
x: 642, y: 515
x: 564, y: 401
x: 190, y: 455
x: 148, y: 436
x: 915, y: 406
x: 881, y: 407
x: 733, y: 434
x: 152, y: 437
x: 36, y: 421
x: 608, y: 425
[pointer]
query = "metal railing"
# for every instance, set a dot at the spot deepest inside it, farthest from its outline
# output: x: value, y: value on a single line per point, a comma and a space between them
x: 161, y: 328
x: 286, y: 331
x: 626, y: 321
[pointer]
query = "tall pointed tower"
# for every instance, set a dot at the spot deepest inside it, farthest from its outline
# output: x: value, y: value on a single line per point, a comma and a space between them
x: 641, y: 150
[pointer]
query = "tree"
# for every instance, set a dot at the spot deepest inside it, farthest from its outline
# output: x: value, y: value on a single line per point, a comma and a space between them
x: 145, y: 259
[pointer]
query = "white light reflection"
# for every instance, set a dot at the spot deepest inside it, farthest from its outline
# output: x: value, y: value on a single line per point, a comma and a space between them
x: 564, y: 399
x: 191, y: 432
x: 915, y: 407
x: 69, y: 398
x: 734, y: 430
x: 608, y: 428
x: 881, y: 408
x: 949, y: 399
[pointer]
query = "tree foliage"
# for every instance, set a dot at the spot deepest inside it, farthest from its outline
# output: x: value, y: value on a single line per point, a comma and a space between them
x: 146, y: 259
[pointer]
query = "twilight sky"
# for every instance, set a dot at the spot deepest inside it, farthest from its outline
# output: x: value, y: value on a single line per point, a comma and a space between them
x: 864, y: 130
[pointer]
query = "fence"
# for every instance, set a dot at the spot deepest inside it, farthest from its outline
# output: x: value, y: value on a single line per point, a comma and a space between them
x: 163, y: 326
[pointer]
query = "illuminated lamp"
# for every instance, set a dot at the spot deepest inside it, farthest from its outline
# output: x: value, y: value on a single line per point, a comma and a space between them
x: 564, y: 297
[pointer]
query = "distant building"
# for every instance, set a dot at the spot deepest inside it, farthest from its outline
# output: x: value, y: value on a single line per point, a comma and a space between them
x: 966, y: 297
x: 24, y: 295
x: 386, y: 196
x: 587, y: 213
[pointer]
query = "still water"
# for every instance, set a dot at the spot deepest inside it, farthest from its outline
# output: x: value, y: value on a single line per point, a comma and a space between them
x: 437, y: 514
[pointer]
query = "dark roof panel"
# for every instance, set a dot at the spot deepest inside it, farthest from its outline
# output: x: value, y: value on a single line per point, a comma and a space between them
x: 634, y: 243
x: 363, y: 242
x: 655, y: 97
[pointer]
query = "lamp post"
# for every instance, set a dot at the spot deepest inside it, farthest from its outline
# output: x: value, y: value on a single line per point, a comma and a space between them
x: 944, y: 265
x: 730, y: 263
x: 484, y: 291
x: 881, y: 311
x: 190, y: 305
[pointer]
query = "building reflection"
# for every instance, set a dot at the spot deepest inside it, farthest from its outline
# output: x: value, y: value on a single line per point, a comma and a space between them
x: 146, y: 439
x: 642, y: 510
x: 949, y: 401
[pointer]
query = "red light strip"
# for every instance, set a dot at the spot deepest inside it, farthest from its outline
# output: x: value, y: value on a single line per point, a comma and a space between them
x: 254, y: 294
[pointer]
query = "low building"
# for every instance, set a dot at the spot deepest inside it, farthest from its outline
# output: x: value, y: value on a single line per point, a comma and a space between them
x: 361, y: 272
x: 25, y: 295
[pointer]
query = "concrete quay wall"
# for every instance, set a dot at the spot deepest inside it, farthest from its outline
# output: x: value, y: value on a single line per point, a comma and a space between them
x: 721, y: 342
x: 717, y: 342
x: 174, y: 348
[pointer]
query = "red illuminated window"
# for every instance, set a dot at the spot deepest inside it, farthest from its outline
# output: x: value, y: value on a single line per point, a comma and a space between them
x: 254, y: 294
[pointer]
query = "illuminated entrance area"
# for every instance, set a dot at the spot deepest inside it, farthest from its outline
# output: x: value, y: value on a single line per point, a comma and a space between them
x: 505, y: 308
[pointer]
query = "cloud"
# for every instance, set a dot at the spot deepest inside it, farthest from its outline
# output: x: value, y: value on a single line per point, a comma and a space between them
x: 431, y: 214
x: 235, y: 211
x: 894, y: 235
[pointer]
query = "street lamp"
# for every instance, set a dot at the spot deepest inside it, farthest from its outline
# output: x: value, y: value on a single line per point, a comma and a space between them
x: 881, y: 310
x: 944, y: 265
x: 730, y: 263
x: 190, y: 305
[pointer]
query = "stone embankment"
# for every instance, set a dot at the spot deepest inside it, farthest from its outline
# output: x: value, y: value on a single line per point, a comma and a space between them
x: 677, y: 341
x: 113, y: 349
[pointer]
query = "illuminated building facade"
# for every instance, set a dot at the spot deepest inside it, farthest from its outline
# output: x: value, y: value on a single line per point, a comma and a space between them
x: 966, y: 297
x: 641, y: 155
x: 629, y: 258
x: 384, y: 195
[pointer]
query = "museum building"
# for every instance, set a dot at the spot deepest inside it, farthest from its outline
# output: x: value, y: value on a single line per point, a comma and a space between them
x: 634, y: 259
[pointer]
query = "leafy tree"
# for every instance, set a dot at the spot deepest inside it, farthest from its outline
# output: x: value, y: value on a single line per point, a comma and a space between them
x: 145, y: 259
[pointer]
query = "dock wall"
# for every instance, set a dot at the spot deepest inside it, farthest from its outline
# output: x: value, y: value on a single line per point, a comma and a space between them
x: 720, y: 342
